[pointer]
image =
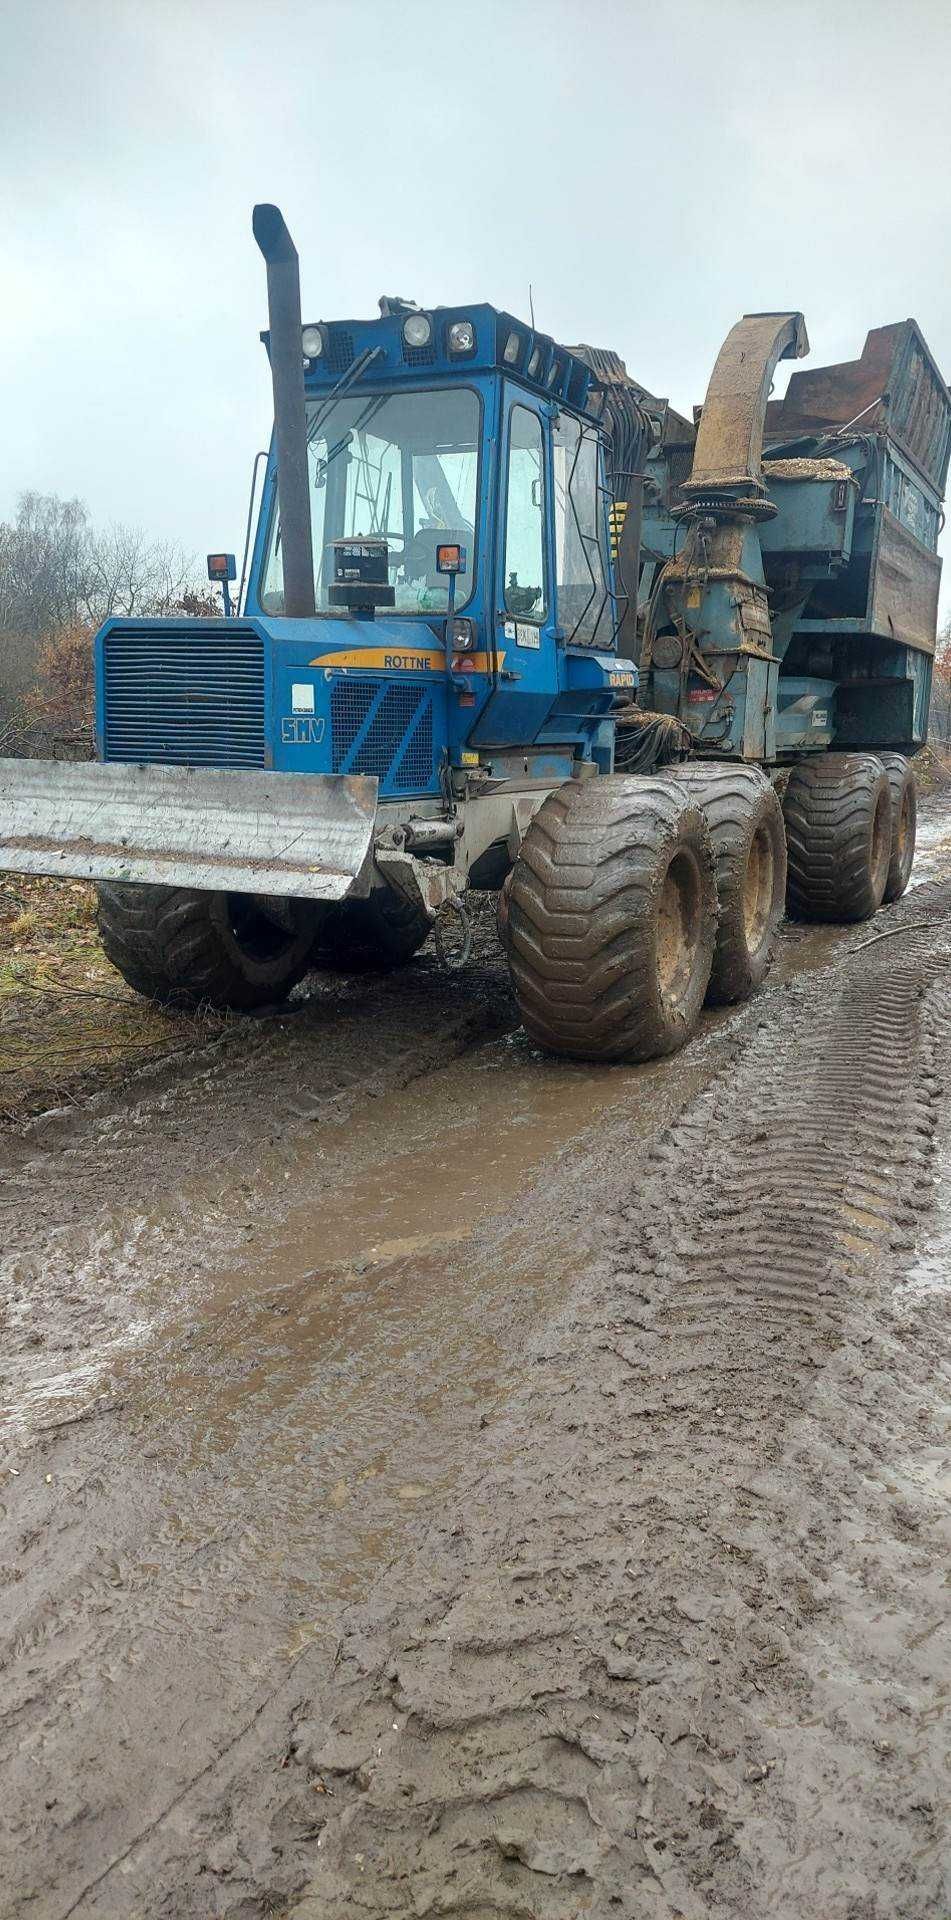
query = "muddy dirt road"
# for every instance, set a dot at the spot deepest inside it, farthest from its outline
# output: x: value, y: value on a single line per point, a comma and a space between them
x: 440, y: 1481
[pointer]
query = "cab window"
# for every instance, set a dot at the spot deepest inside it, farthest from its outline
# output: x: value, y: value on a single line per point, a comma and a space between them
x: 524, y: 559
x: 402, y: 467
x: 584, y: 607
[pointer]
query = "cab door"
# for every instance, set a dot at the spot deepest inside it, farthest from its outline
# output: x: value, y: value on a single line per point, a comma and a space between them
x: 525, y: 676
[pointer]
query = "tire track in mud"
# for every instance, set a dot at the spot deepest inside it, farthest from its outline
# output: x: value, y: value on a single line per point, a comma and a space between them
x: 641, y: 1668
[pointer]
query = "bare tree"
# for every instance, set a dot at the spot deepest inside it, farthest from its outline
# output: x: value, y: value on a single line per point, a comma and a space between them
x: 939, y: 719
x: 59, y: 576
x: 43, y: 576
x: 128, y: 574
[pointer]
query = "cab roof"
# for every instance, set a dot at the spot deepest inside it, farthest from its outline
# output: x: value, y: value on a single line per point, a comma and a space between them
x: 371, y: 351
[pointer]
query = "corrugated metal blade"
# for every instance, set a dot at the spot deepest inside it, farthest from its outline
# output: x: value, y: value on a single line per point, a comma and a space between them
x: 216, y: 829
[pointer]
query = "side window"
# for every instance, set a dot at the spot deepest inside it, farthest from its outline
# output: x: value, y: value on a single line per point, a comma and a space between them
x: 524, y: 562
x: 583, y: 606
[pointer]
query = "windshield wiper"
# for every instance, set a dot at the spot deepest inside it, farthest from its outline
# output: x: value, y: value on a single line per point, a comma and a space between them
x: 369, y: 413
x: 354, y: 372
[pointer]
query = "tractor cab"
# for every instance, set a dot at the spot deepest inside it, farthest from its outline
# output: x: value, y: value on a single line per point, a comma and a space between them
x: 459, y: 515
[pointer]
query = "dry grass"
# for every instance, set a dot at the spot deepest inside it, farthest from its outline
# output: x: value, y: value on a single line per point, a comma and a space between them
x: 69, y: 1025
x: 933, y: 767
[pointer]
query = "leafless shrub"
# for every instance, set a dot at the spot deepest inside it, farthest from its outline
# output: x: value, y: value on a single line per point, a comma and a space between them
x: 58, y: 708
x: 60, y: 577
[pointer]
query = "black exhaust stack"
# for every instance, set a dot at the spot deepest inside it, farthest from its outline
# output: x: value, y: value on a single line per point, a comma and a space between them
x: 290, y: 423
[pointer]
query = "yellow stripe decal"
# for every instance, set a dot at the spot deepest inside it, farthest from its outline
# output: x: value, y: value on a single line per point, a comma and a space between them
x: 408, y: 659
x: 402, y: 660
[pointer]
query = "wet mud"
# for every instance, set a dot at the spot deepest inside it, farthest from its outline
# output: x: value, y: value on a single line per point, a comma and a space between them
x: 439, y: 1480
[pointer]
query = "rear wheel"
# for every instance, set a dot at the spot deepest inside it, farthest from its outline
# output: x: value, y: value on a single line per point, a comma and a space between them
x: 611, y: 919
x: 838, y: 833
x: 904, y: 794
x: 185, y: 948
x: 745, y: 820
x: 382, y: 931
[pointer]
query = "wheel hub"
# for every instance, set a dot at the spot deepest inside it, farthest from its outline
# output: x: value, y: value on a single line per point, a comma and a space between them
x: 758, y: 885
x: 679, y: 923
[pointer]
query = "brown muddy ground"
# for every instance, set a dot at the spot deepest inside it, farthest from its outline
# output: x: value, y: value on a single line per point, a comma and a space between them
x: 440, y: 1481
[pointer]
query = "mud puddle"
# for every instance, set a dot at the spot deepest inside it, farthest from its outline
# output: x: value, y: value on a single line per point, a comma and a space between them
x: 687, y: 1653
x: 338, y: 1377
x: 285, y: 1423
x: 288, y: 1417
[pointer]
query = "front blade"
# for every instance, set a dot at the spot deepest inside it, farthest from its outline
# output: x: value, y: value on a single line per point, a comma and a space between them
x: 301, y: 834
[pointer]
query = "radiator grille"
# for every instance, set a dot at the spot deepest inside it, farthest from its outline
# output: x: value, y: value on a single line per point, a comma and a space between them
x: 384, y: 729
x: 414, y: 768
x: 189, y: 697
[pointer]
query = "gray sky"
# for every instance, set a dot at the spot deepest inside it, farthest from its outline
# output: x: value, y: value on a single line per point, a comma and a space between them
x: 652, y: 170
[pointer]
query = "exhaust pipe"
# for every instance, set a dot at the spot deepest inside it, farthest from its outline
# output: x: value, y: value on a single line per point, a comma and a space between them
x: 290, y: 421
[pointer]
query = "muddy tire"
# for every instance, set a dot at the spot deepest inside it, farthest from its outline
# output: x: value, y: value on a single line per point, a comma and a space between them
x: 904, y: 794
x: 502, y: 908
x: 745, y: 820
x: 612, y: 919
x: 189, y: 949
x: 837, y: 810
x: 381, y: 932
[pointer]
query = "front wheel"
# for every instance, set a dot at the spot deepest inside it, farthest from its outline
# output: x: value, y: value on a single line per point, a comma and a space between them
x: 186, y: 949
x: 611, y: 919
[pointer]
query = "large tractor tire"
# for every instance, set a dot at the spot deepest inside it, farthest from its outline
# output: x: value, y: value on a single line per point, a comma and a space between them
x: 611, y: 919
x: 904, y: 793
x: 381, y: 932
x: 745, y: 820
x: 837, y: 809
x: 189, y: 949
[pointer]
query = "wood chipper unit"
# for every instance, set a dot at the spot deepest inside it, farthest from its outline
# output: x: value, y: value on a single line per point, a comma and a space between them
x: 510, y: 622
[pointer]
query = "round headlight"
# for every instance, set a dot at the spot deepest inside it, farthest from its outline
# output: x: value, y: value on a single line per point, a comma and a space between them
x: 511, y: 349
x: 417, y: 330
x: 312, y: 341
x: 461, y: 336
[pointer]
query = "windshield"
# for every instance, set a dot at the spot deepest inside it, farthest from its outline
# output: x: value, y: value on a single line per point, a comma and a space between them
x: 402, y: 467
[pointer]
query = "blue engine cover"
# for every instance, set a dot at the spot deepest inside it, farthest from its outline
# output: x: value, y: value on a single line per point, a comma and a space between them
x: 322, y: 696
x: 315, y: 696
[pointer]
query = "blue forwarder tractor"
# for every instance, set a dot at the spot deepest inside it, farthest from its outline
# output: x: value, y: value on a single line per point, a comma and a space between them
x: 511, y: 622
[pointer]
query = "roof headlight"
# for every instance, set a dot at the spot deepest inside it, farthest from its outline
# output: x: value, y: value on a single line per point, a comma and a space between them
x: 512, y: 349
x: 462, y: 337
x: 534, y: 362
x: 417, y: 330
x: 312, y: 342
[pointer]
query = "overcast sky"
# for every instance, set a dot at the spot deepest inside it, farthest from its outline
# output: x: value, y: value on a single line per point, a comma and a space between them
x: 652, y: 170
